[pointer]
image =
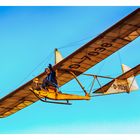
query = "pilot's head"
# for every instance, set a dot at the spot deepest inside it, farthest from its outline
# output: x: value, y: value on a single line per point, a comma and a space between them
x: 47, y: 70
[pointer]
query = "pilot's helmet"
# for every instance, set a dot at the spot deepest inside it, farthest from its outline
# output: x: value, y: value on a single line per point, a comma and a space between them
x: 35, y: 80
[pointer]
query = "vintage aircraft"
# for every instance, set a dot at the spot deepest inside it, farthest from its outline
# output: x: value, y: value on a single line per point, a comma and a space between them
x: 99, y: 48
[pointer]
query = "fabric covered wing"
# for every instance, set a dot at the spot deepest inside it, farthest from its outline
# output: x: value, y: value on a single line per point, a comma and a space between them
x: 81, y: 60
x: 133, y: 72
x: 100, y: 47
x: 17, y: 100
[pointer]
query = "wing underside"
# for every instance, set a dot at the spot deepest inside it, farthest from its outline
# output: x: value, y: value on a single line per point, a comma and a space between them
x: 16, y: 100
x: 81, y: 60
x: 100, y: 47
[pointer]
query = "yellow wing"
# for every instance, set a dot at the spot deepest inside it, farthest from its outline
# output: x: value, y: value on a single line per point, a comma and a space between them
x: 81, y: 60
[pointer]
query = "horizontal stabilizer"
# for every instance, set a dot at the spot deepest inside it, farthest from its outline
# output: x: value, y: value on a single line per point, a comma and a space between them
x: 123, y: 83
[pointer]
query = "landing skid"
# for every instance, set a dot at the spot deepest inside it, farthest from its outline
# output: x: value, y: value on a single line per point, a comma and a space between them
x: 49, y: 101
x: 54, y: 102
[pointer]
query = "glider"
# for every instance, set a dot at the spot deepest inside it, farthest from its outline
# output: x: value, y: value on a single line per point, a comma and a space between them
x: 90, y: 54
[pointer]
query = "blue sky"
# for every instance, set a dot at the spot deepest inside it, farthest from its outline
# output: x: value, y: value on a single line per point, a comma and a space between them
x: 28, y: 36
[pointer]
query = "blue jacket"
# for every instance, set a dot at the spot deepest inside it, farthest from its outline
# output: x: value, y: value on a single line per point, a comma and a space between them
x: 52, y: 77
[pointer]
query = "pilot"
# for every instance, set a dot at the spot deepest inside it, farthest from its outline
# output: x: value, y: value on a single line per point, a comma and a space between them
x: 50, y: 79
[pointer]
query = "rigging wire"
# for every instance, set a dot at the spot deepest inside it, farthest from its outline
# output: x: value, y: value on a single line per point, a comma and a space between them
x: 101, y: 67
x: 34, y: 69
x: 104, y: 62
x: 120, y: 59
x: 98, y: 73
x: 44, y: 60
x: 74, y: 43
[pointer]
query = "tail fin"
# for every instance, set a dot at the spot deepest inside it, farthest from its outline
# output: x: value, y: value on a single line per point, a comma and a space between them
x: 132, y: 84
x: 58, y: 56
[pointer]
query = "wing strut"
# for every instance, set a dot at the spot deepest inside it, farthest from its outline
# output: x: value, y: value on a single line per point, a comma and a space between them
x: 79, y: 82
x: 94, y: 78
